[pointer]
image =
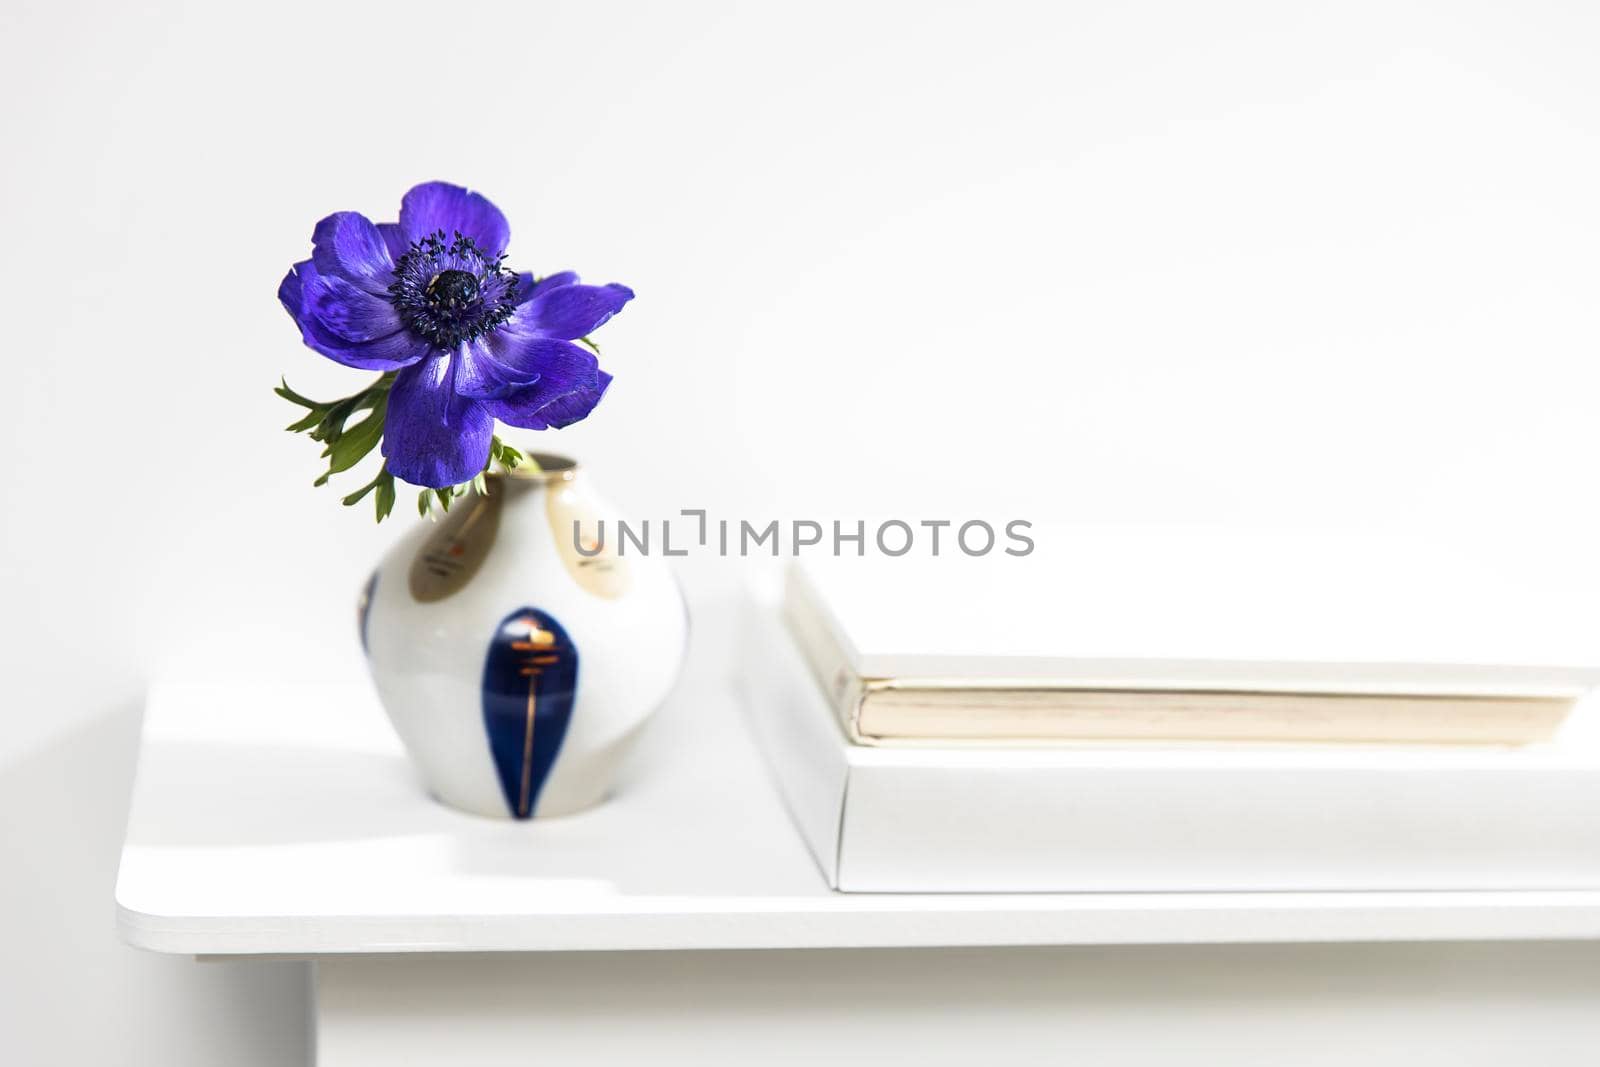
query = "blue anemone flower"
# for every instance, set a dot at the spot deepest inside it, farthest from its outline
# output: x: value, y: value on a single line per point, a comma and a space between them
x: 429, y: 297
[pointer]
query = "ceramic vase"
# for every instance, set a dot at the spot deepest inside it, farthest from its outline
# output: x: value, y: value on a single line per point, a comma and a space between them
x: 516, y: 653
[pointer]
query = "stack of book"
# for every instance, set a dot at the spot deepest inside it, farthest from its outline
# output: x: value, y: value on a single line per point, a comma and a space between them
x: 1002, y: 726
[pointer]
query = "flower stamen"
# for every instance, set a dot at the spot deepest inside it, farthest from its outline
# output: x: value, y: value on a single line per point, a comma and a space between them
x: 450, y: 291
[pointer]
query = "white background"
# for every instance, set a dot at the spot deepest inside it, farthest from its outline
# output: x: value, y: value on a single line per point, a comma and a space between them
x: 1321, y: 265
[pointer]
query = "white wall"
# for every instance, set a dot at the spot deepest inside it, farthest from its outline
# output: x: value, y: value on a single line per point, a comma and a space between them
x: 1309, y: 264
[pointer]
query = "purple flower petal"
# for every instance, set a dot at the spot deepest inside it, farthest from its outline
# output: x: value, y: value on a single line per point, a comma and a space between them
x: 435, y: 206
x: 522, y: 288
x: 569, y: 383
x: 432, y: 436
x: 525, y: 288
x: 348, y: 312
x: 559, y: 366
x: 554, y: 281
x: 394, y: 239
x: 291, y: 291
x: 481, y: 376
x: 348, y: 245
x: 399, y: 349
x: 571, y: 311
x: 530, y: 409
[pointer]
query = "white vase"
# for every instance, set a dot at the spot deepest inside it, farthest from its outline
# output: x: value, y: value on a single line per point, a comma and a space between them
x: 515, y: 664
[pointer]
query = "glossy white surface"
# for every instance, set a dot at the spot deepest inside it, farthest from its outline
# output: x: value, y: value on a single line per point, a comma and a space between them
x: 427, y: 657
x: 285, y: 821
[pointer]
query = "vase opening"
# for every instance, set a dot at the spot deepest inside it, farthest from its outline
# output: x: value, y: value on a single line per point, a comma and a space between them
x: 551, y: 468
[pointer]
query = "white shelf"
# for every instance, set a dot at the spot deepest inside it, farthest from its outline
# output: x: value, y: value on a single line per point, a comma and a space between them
x: 285, y: 821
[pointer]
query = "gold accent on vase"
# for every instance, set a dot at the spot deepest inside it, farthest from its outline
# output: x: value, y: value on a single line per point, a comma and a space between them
x: 600, y: 572
x: 454, y: 553
x: 536, y: 650
x: 527, y: 746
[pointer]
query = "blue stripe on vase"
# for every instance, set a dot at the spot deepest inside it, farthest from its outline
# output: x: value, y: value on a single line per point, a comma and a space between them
x: 364, y: 610
x: 530, y: 678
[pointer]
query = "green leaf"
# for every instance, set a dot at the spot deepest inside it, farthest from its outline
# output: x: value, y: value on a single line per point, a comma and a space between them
x: 353, y: 444
x: 503, y: 454
x: 425, y: 503
x: 332, y: 426
x: 590, y: 342
x: 310, y: 420
x: 384, y: 500
x: 315, y: 410
x: 355, y: 497
x: 481, y: 484
x: 293, y: 397
x: 444, y: 497
x: 347, y: 439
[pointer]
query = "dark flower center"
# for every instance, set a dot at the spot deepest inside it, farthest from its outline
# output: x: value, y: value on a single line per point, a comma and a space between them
x: 452, y: 291
x: 449, y: 291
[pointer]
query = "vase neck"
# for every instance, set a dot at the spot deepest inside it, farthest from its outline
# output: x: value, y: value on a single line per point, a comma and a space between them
x: 545, y: 469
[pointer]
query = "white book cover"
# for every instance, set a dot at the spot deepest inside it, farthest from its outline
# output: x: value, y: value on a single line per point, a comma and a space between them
x: 1374, y: 638
x: 1172, y: 818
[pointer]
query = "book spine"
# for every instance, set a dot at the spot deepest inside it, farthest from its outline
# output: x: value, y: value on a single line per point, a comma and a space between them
x: 826, y: 652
